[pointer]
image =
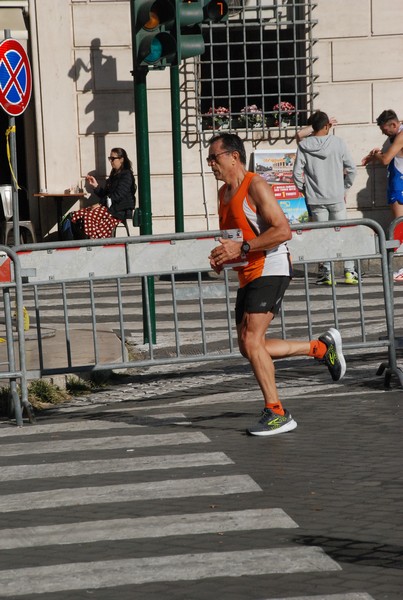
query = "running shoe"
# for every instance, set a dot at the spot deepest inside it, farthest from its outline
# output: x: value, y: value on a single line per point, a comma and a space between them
x: 333, y: 359
x: 351, y: 278
x: 271, y: 423
x: 324, y: 279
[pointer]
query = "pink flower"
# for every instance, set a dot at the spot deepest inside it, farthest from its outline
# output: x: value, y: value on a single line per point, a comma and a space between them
x: 251, y: 109
x: 219, y: 116
x: 285, y: 107
x: 252, y: 115
x: 220, y: 111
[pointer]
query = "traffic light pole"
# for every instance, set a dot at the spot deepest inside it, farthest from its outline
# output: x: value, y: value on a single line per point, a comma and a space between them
x: 143, y: 150
x: 144, y: 192
x: 177, y: 150
x: 164, y: 33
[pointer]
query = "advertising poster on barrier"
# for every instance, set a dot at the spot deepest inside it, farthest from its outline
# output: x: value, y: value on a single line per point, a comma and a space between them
x: 276, y: 166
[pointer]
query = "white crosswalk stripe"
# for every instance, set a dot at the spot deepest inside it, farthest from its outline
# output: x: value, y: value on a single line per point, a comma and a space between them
x: 353, y: 596
x: 103, y: 443
x: 147, y: 527
x: 39, y: 454
x: 118, y: 465
x: 95, y: 425
x: 186, y: 567
x: 178, y: 488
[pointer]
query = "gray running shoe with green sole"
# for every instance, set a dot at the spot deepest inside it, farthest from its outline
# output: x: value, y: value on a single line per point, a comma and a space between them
x: 271, y: 423
x: 333, y: 359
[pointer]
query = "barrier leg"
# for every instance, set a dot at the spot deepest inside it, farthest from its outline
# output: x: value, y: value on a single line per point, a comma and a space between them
x: 16, y: 405
x: 389, y: 371
x: 390, y: 368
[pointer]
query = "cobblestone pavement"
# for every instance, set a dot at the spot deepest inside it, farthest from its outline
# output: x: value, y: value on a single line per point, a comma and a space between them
x: 149, y: 488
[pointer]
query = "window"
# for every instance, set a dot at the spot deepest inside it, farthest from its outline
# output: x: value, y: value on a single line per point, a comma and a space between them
x: 257, y: 70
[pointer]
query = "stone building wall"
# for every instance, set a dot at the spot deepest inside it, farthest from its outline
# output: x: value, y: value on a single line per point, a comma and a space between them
x: 360, y: 68
x: 85, y: 105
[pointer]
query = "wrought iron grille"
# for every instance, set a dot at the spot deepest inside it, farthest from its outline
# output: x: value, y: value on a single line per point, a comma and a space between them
x: 257, y: 70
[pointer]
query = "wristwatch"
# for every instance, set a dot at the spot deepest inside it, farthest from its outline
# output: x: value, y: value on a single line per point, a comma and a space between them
x: 245, y: 247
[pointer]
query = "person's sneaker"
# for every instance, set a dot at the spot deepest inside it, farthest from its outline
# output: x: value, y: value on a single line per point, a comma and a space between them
x: 324, y: 279
x: 271, y: 423
x: 333, y: 359
x: 351, y: 278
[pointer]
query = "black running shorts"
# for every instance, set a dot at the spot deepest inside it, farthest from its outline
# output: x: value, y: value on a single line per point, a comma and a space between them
x: 262, y: 295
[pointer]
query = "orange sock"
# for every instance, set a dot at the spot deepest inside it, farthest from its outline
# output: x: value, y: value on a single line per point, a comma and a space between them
x: 276, y: 408
x: 318, y: 349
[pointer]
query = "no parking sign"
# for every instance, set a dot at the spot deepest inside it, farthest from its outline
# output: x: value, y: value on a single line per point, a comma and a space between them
x: 15, y: 77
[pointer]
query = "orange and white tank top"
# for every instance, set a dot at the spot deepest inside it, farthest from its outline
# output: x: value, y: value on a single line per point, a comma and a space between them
x: 238, y: 213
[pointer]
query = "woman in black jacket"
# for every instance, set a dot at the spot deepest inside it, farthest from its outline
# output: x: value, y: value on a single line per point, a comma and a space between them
x: 116, y: 199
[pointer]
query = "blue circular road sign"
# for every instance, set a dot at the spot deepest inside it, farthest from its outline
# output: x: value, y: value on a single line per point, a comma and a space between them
x: 15, y: 77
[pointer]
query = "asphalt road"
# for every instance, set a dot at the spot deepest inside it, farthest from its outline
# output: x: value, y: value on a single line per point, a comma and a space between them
x: 150, y: 488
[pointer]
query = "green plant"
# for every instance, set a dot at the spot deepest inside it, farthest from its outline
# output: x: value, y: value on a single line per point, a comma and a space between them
x: 4, y: 400
x: 78, y: 387
x: 217, y: 117
x: 42, y: 392
x: 284, y: 115
x: 252, y: 116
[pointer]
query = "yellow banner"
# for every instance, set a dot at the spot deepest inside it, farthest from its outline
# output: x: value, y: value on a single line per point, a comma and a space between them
x: 8, y: 131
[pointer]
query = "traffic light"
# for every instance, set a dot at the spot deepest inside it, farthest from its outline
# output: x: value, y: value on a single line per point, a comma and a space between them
x: 189, y: 17
x: 154, y: 33
x: 165, y: 32
x: 215, y: 10
x: 190, y: 14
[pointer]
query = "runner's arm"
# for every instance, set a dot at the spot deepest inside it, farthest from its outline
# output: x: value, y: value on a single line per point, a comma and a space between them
x: 384, y: 158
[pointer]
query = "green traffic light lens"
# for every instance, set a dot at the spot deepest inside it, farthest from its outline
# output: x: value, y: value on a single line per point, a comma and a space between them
x: 155, y: 51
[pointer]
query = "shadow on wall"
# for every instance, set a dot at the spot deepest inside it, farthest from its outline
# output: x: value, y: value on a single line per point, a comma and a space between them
x: 372, y: 200
x: 106, y: 99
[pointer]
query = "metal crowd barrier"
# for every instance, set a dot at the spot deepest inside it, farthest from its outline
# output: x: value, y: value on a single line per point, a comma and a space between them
x: 395, y: 264
x: 12, y: 347
x: 74, y: 291
x: 395, y: 243
x: 359, y: 240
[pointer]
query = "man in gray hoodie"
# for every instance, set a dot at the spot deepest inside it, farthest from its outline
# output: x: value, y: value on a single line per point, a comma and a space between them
x: 323, y: 171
